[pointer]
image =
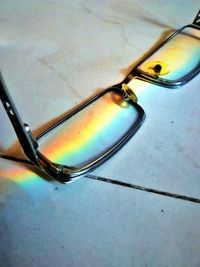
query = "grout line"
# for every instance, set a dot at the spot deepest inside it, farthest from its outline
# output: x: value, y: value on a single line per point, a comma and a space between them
x: 142, y: 188
x: 16, y: 159
x: 117, y: 182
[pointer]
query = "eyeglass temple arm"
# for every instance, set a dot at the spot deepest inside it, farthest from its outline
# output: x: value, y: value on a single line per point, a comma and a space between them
x: 22, y: 130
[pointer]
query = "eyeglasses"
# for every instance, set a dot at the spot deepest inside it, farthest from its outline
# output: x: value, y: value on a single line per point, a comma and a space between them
x: 96, y: 129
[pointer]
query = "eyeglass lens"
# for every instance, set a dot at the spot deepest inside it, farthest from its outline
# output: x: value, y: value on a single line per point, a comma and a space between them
x: 90, y: 132
x: 176, y: 58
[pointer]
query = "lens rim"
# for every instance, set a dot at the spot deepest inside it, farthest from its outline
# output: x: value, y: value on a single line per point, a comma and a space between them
x: 65, y: 173
x: 160, y: 81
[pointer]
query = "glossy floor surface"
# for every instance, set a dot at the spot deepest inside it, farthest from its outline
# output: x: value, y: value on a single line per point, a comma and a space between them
x: 142, y: 207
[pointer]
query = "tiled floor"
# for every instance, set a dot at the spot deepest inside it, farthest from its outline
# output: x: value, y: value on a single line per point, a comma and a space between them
x: 141, y: 208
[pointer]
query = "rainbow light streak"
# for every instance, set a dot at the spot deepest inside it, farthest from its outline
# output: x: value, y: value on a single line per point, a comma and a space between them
x: 29, y: 181
x: 90, y: 132
x: 182, y: 54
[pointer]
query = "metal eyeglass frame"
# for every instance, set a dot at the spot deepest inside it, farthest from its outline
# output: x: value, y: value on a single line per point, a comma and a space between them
x: 65, y: 173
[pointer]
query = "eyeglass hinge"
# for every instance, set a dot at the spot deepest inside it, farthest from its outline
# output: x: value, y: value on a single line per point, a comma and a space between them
x: 28, y: 130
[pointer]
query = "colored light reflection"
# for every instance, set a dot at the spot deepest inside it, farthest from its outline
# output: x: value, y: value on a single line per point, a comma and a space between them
x: 181, y: 54
x: 26, y: 179
x: 19, y: 175
x: 90, y: 132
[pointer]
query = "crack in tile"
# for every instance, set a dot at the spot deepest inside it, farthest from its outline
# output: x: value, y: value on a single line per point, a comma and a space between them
x: 44, y: 62
x: 110, y: 21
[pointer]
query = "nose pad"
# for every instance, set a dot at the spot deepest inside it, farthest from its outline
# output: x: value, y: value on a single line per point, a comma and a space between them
x: 157, y: 68
x: 128, y: 94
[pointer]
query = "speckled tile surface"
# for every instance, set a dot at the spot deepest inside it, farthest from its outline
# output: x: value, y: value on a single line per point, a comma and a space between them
x: 54, y: 54
x: 91, y: 223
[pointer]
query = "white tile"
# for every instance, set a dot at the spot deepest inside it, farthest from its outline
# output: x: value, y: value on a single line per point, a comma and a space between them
x: 91, y: 223
x: 54, y: 54
x: 164, y: 153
